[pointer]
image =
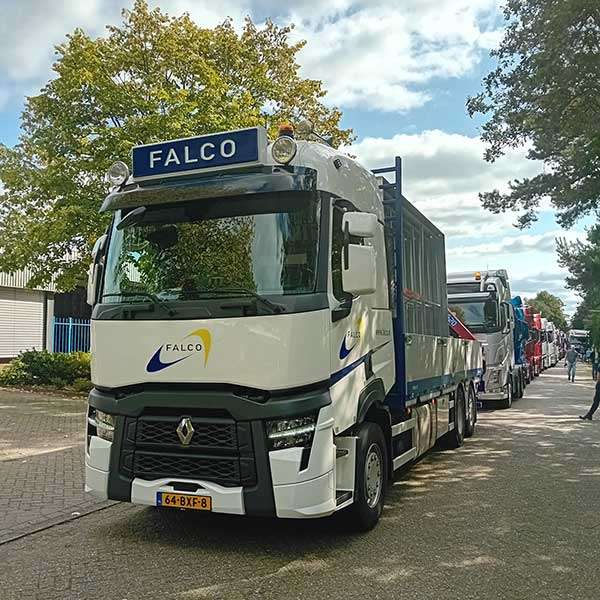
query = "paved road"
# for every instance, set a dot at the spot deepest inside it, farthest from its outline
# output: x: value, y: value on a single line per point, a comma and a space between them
x: 511, y: 515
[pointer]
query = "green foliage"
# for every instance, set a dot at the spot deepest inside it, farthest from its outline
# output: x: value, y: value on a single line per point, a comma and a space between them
x: 582, y: 259
x: 551, y: 307
x: 545, y: 91
x: 151, y: 78
x: 35, y: 367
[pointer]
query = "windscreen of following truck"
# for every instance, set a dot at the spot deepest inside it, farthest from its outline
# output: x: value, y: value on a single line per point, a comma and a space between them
x: 262, y: 248
x: 480, y: 316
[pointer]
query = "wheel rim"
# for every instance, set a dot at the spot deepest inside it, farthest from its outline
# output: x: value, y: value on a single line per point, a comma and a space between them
x: 373, y: 475
x: 471, y: 408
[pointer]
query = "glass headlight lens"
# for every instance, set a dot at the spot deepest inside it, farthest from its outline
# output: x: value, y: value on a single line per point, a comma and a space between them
x: 118, y: 173
x: 288, y: 433
x: 105, y: 425
x: 283, y: 149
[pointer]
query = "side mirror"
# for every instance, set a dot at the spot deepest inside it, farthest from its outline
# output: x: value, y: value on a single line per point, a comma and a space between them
x: 94, y: 270
x: 359, y: 224
x: 359, y: 271
x: 505, y: 317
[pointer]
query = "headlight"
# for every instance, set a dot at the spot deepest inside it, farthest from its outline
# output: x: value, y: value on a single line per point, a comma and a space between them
x: 283, y: 149
x: 287, y: 433
x: 494, y: 376
x: 118, y: 173
x: 104, y: 424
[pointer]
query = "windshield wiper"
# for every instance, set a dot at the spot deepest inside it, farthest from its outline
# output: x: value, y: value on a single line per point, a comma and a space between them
x: 272, y: 306
x: 152, y: 297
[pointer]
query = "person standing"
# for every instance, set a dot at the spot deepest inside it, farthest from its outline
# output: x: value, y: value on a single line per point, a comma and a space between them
x: 596, y: 402
x: 571, y: 362
x: 595, y: 363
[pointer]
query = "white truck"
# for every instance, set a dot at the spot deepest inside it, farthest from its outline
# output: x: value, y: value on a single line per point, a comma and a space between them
x: 545, y: 344
x: 269, y: 332
x: 482, y: 300
x: 551, y: 335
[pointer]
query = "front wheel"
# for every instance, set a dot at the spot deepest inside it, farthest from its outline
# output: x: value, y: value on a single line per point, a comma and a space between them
x: 507, y: 402
x: 370, y: 478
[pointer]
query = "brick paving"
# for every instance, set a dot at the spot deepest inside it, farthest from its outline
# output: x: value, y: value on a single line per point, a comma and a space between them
x: 41, y: 462
x: 512, y: 515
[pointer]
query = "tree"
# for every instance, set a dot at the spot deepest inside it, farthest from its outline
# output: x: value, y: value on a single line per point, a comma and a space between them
x: 151, y: 78
x: 551, y: 307
x: 545, y: 91
x: 582, y: 259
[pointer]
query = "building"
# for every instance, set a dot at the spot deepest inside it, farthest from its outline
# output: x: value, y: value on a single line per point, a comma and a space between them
x: 26, y: 315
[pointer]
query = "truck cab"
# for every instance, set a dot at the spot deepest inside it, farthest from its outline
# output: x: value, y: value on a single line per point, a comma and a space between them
x: 481, y: 299
x: 269, y: 332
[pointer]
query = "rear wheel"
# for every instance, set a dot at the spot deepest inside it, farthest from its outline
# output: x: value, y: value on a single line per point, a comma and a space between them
x: 456, y: 437
x: 471, y: 412
x: 370, y: 478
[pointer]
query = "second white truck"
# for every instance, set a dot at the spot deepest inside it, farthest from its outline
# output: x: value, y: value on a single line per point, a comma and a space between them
x: 482, y: 300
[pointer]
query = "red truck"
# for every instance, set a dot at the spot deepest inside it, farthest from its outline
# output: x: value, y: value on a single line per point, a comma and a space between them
x: 533, y: 349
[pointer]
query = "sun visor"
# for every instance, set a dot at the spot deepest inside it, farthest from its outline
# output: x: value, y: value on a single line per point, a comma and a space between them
x: 221, y: 185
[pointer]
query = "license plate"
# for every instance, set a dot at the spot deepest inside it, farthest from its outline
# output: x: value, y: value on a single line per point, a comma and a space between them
x: 189, y: 501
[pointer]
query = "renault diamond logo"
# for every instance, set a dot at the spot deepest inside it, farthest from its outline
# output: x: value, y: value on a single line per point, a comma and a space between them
x: 185, y: 431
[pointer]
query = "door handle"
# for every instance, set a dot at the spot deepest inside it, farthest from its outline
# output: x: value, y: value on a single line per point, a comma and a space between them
x: 408, y: 340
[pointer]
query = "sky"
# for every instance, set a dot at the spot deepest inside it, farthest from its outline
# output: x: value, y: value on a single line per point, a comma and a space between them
x: 400, y: 70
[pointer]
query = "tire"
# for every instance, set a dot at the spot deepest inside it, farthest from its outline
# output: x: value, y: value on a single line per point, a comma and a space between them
x: 456, y: 437
x: 519, y: 390
x: 507, y: 402
x: 471, y: 412
x: 370, y: 480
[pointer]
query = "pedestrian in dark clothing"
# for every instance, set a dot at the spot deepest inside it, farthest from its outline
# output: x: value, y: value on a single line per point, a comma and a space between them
x: 595, y: 403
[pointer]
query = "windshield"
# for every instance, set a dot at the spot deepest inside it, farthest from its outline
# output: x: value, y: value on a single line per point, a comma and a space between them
x: 264, y: 244
x: 480, y: 316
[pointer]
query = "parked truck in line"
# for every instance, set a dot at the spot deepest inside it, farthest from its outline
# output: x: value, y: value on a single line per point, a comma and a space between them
x: 539, y: 346
x: 482, y: 300
x: 545, y: 344
x: 269, y: 332
x: 531, y: 347
x: 521, y: 337
x: 579, y: 339
x: 552, y: 344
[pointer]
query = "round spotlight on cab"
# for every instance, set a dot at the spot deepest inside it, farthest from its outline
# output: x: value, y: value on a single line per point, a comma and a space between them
x: 118, y: 173
x: 283, y: 149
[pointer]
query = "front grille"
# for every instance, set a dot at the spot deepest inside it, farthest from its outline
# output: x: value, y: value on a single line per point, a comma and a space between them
x: 157, y: 430
x: 220, y: 450
x: 217, y: 469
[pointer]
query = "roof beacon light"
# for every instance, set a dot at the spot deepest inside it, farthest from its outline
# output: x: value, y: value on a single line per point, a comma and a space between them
x: 285, y: 129
x: 283, y: 149
x: 118, y: 173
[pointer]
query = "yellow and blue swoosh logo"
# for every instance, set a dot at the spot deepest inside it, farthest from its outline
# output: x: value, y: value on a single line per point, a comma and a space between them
x: 156, y: 364
x: 354, y: 335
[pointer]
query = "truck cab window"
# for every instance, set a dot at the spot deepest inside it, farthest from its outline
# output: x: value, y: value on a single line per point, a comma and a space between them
x: 340, y: 207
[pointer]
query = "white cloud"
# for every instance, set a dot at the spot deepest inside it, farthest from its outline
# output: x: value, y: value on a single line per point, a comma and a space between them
x: 29, y: 29
x: 381, y: 54
x: 374, y: 54
x: 443, y: 174
x: 517, y: 244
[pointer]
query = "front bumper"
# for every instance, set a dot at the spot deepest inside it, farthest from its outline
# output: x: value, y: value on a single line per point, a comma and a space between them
x: 483, y: 396
x: 283, y: 483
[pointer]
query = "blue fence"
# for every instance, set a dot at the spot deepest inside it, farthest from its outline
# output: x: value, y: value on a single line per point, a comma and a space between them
x: 71, y: 335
